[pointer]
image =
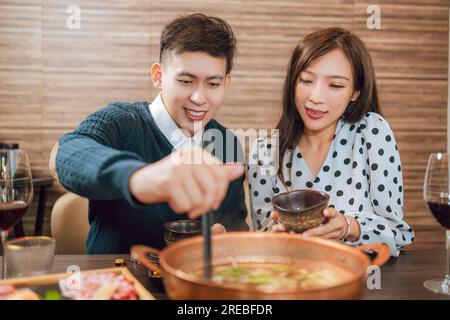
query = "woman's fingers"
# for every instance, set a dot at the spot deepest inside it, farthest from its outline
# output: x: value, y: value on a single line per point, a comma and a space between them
x: 275, y: 216
x: 333, y: 236
x: 217, y: 228
x: 331, y: 213
x: 320, y: 230
x: 332, y: 229
x: 278, y: 228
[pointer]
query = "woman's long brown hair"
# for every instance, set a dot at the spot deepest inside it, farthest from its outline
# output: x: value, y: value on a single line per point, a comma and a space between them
x: 312, y: 47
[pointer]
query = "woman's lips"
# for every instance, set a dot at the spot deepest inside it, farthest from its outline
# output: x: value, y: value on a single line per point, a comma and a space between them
x: 315, y: 114
x: 195, y: 115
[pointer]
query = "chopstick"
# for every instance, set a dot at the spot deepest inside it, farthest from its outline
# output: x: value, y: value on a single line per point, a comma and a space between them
x: 207, y: 220
x: 207, y: 256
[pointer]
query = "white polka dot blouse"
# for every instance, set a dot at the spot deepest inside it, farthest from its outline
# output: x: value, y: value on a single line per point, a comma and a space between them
x: 362, y: 173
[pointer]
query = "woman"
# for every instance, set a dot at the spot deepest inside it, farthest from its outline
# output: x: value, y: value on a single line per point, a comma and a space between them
x: 332, y: 138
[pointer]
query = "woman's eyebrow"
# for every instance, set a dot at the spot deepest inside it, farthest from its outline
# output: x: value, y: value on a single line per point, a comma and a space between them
x: 338, y: 77
x: 329, y: 76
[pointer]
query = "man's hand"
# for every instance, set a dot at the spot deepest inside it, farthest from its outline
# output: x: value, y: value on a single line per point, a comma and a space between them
x: 187, y: 187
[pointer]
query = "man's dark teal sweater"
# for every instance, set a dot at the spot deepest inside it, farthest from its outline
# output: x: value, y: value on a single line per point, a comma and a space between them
x: 96, y: 161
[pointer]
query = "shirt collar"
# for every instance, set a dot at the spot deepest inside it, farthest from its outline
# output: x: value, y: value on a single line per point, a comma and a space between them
x: 169, y: 128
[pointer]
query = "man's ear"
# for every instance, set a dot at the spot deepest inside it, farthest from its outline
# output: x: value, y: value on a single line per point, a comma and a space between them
x: 227, y: 80
x: 156, y: 73
x: 355, y: 95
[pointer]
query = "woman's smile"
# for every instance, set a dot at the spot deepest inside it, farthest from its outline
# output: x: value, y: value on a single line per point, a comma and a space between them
x: 315, y: 114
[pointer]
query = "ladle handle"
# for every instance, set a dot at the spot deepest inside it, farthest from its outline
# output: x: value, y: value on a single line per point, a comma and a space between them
x: 207, y: 254
x: 382, y: 250
x: 140, y: 252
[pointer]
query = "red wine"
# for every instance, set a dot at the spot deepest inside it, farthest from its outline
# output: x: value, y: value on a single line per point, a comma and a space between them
x: 11, y: 213
x: 440, y: 208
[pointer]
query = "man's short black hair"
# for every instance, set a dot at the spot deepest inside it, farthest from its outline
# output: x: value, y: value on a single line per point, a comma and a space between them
x: 198, y: 32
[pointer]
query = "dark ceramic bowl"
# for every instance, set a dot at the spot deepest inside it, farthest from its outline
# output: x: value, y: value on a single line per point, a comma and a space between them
x: 300, y: 210
x: 181, y: 229
x: 173, y: 232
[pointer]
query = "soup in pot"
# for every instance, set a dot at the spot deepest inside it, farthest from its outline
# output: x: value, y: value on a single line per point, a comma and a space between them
x: 273, y: 276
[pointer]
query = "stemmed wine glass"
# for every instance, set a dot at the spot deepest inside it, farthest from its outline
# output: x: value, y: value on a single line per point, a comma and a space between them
x: 16, y: 191
x: 436, y: 194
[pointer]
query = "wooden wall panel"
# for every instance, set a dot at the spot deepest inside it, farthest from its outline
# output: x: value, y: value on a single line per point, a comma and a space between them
x: 21, y: 75
x: 412, y: 42
x: 52, y: 77
x: 410, y: 54
x: 106, y: 60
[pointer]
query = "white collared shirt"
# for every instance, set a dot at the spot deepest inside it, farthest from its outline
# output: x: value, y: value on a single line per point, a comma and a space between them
x: 169, y: 128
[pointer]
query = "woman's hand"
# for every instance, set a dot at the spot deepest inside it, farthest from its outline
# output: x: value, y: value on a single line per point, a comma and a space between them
x: 217, y: 228
x: 279, y: 227
x: 335, y: 226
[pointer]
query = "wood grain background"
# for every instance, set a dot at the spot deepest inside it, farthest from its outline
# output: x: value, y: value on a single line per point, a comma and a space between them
x: 52, y: 77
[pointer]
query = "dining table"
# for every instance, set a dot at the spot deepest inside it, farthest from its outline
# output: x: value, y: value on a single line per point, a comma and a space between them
x: 401, y: 278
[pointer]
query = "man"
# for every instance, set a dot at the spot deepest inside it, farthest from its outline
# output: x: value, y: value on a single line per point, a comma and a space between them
x: 127, y: 157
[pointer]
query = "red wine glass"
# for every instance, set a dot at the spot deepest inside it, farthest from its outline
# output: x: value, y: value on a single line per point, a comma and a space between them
x: 16, y: 191
x: 436, y: 194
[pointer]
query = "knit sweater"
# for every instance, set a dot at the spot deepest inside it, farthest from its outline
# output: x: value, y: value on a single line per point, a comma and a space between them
x: 96, y: 161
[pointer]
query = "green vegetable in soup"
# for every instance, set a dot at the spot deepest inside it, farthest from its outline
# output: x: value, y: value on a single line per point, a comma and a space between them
x: 271, y: 276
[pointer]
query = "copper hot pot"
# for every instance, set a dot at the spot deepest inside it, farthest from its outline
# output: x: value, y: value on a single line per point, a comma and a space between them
x: 180, y: 259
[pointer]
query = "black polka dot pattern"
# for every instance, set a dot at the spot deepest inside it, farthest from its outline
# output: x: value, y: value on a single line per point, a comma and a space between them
x: 362, y: 175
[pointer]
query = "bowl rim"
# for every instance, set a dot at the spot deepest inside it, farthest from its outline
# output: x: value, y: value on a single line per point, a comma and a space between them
x: 167, y: 228
x: 327, y: 198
